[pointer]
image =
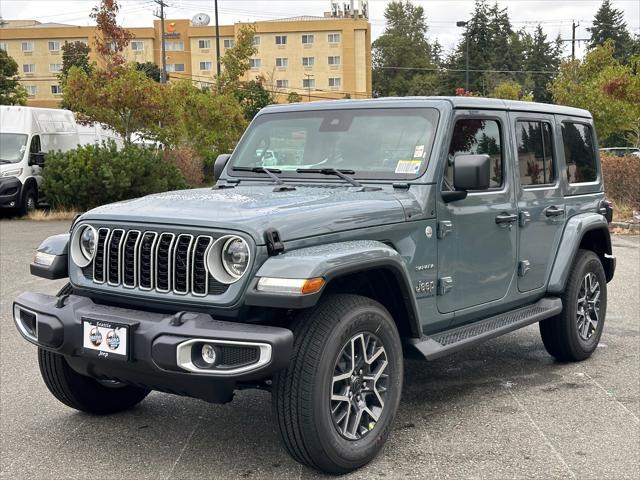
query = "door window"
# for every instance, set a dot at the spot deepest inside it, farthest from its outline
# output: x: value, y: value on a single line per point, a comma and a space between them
x: 579, y: 152
x: 535, y: 153
x: 474, y: 136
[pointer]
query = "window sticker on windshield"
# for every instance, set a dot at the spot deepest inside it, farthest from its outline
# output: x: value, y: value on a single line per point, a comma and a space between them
x: 408, y: 166
x: 419, y: 151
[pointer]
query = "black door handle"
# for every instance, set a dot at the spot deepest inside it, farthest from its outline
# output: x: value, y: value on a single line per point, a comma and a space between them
x: 506, y: 218
x: 554, y: 211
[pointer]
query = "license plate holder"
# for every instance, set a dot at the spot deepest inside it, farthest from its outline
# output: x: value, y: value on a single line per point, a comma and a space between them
x: 105, y: 339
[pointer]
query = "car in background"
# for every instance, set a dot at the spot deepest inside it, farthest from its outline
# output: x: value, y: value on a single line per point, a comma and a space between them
x: 621, y: 151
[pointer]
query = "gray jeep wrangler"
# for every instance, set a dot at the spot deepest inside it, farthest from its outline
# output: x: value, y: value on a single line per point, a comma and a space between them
x: 375, y: 230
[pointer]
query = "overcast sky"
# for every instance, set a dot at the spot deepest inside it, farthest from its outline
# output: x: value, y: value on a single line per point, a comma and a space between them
x: 554, y: 15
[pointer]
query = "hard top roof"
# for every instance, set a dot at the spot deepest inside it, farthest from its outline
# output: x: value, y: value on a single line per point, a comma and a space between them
x: 473, y: 103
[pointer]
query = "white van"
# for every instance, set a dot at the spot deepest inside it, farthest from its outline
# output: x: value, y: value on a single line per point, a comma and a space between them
x: 26, y: 135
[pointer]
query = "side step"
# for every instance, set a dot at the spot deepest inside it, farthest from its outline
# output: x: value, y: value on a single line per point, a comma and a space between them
x: 449, y: 341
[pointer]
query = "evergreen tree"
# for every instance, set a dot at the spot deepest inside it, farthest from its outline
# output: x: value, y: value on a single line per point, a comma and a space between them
x: 609, y: 24
x: 11, y: 92
x: 540, y: 55
x: 404, y: 44
x: 75, y: 54
x: 150, y: 69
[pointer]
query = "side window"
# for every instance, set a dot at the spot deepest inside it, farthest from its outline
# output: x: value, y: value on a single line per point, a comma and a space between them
x: 35, y: 145
x: 579, y: 152
x: 473, y: 136
x: 535, y: 153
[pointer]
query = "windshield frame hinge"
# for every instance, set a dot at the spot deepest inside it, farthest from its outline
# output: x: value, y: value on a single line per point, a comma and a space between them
x: 273, y: 242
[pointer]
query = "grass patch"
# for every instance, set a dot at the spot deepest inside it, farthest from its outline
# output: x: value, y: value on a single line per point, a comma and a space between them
x: 46, y: 215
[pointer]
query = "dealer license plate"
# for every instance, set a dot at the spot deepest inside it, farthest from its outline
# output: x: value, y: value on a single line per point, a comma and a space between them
x: 104, y: 339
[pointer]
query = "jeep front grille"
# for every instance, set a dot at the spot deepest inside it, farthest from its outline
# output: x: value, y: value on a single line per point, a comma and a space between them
x: 159, y: 261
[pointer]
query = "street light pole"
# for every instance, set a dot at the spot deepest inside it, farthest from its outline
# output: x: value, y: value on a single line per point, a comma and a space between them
x: 308, y: 75
x: 217, y: 38
x: 466, y: 71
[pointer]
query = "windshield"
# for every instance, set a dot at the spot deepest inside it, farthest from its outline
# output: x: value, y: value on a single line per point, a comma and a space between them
x: 12, y: 147
x: 373, y: 143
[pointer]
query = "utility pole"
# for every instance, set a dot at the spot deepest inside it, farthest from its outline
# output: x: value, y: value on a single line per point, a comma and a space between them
x: 466, y: 71
x: 217, y: 38
x: 308, y: 75
x: 163, y: 73
x: 573, y: 39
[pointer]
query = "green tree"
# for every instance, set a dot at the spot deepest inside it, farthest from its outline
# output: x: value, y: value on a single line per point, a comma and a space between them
x: 609, y: 90
x: 540, y: 55
x: 125, y: 99
x: 294, y: 97
x: 235, y: 61
x: 253, y: 96
x: 11, y: 92
x: 402, y: 55
x: 75, y: 54
x: 609, y: 24
x: 150, y: 69
x: 511, y: 91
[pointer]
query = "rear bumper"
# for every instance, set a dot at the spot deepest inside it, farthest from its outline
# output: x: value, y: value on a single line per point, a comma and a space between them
x: 10, y: 188
x: 159, y: 354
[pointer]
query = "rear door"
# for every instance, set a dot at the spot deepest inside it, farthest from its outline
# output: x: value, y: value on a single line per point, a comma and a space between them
x: 541, y: 209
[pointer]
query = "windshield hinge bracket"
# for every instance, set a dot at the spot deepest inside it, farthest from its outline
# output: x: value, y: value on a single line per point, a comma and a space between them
x: 273, y: 241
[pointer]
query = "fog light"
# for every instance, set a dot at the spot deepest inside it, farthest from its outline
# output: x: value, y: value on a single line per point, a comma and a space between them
x: 208, y: 354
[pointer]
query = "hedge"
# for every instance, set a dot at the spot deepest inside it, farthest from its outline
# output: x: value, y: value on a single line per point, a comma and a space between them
x: 94, y: 175
x: 622, y: 180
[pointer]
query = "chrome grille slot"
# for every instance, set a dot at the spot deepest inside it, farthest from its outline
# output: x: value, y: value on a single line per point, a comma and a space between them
x: 114, y: 257
x: 158, y: 261
x: 100, y: 260
x: 200, y: 277
x: 181, y: 263
x: 146, y: 260
x: 129, y: 259
x: 163, y: 261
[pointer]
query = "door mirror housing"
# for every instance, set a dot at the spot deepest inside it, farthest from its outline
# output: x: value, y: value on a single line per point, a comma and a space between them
x: 471, y: 172
x: 37, y: 158
x: 220, y: 163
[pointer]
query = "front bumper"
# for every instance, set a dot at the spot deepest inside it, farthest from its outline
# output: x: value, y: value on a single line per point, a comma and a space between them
x: 10, y: 188
x: 157, y: 345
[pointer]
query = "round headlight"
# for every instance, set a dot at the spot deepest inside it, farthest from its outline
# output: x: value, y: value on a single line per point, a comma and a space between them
x: 228, y: 259
x: 83, y: 245
x: 235, y: 257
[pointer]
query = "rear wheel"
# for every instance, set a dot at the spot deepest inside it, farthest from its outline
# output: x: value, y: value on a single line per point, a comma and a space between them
x: 336, y: 401
x: 573, y: 335
x: 84, y: 393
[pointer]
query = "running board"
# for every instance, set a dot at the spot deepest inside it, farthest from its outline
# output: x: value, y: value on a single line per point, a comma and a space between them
x: 449, y: 341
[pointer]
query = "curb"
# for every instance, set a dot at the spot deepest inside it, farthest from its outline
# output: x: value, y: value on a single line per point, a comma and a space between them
x: 631, y: 227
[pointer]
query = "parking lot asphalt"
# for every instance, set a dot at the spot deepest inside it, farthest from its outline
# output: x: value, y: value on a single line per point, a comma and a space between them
x: 505, y: 409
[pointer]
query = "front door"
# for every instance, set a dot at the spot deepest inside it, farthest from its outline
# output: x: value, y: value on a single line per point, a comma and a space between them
x: 477, y: 235
x: 541, y: 206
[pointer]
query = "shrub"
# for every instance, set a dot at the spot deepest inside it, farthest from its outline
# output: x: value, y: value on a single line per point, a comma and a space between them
x: 93, y: 175
x: 622, y: 180
x: 190, y: 164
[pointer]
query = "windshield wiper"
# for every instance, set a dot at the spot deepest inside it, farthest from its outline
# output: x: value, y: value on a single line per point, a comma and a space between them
x: 5, y: 161
x: 269, y: 171
x: 343, y: 174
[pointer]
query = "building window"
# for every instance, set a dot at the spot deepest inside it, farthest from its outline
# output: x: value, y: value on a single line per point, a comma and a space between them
x: 281, y: 39
x: 230, y: 43
x: 29, y: 68
x: 282, y: 62
x: 334, y: 60
x: 307, y: 39
x: 308, y: 61
x: 27, y: 46
x: 333, y: 38
x: 256, y: 41
x: 254, y: 63
x: 55, y: 67
x: 32, y: 90
x: 56, y: 89
x: 205, y: 65
x: 334, y: 82
x: 282, y: 83
x: 173, y: 46
x: 54, y: 46
x: 535, y: 153
x: 579, y: 152
x: 204, y: 43
x: 3, y: 46
x: 175, y: 67
x: 309, y: 83
x: 137, y: 45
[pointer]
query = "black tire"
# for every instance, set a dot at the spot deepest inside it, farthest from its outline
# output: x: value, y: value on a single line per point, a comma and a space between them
x: 302, y: 393
x: 29, y: 201
x: 560, y: 334
x: 84, y: 393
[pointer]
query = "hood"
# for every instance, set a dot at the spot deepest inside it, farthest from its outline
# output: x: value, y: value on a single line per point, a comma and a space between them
x: 304, y: 212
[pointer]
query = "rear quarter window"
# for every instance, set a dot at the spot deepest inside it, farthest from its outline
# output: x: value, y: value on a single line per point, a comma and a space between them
x: 579, y: 152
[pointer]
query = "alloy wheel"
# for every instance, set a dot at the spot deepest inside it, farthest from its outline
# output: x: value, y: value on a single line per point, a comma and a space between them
x: 588, y: 306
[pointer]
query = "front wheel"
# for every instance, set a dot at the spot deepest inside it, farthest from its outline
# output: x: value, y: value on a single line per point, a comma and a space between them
x: 336, y: 401
x: 574, y: 333
x: 29, y: 201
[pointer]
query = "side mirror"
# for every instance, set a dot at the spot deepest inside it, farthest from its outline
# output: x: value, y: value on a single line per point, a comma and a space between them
x: 219, y: 164
x: 36, y: 158
x: 470, y: 172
